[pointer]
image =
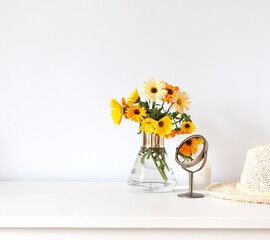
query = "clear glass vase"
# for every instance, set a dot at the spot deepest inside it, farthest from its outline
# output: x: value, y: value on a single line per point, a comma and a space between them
x: 151, y: 171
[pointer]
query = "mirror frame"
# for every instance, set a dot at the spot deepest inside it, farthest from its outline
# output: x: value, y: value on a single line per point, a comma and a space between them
x: 202, y: 155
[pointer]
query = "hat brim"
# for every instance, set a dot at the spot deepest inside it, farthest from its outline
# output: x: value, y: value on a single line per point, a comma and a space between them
x: 229, y: 191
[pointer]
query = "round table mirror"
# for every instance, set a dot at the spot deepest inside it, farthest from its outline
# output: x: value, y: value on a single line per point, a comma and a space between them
x: 191, y: 155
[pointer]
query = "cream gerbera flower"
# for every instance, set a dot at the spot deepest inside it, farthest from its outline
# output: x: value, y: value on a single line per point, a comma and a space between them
x: 180, y: 101
x: 154, y: 89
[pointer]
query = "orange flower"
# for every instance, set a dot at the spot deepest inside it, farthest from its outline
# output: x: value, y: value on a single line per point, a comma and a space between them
x: 136, y: 113
x: 170, y: 91
x: 125, y: 115
x: 172, y: 134
x: 191, y: 146
x: 123, y: 102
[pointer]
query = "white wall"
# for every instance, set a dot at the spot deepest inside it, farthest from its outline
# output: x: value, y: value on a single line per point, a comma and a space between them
x: 62, y: 61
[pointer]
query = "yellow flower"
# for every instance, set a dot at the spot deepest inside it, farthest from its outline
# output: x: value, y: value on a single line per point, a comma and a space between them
x: 163, y: 126
x: 134, y: 98
x: 154, y: 89
x: 136, y: 113
x: 181, y: 101
x: 191, y: 146
x: 117, y: 111
x: 148, y: 125
x: 187, y: 128
x: 199, y: 140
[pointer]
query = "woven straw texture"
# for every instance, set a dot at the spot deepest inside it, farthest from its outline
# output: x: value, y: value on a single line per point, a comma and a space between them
x: 229, y: 191
x: 254, y: 186
x: 256, y: 173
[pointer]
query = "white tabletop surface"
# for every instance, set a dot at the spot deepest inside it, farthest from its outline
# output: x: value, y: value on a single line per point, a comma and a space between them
x: 113, y: 205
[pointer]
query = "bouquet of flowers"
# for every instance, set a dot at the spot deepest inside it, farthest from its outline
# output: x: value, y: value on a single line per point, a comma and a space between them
x: 162, y: 113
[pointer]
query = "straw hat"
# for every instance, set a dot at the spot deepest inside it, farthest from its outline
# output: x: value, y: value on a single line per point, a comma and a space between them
x: 254, y: 186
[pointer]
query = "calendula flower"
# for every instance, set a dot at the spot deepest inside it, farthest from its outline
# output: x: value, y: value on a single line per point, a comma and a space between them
x: 148, y: 125
x: 154, y: 89
x: 134, y: 98
x: 117, y: 111
x: 170, y: 91
x: 190, y: 146
x: 199, y: 140
x: 136, y: 113
x: 172, y: 134
x: 187, y: 128
x: 180, y: 101
x: 123, y: 102
x: 163, y: 126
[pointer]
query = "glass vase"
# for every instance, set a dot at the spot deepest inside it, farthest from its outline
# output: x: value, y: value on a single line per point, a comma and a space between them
x: 151, y: 171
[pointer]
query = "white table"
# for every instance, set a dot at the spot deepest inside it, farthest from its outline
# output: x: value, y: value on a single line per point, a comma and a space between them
x: 70, y: 210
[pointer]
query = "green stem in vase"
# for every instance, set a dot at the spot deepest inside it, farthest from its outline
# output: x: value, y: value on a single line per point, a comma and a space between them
x: 146, y: 154
x: 158, y: 156
x: 143, y: 157
x: 163, y: 175
x: 162, y: 159
x: 161, y: 171
x: 149, y: 152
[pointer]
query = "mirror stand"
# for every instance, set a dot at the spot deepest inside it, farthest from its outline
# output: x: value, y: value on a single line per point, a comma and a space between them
x: 190, y: 193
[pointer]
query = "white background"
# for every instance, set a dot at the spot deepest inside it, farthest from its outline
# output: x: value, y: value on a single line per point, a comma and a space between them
x: 62, y: 61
